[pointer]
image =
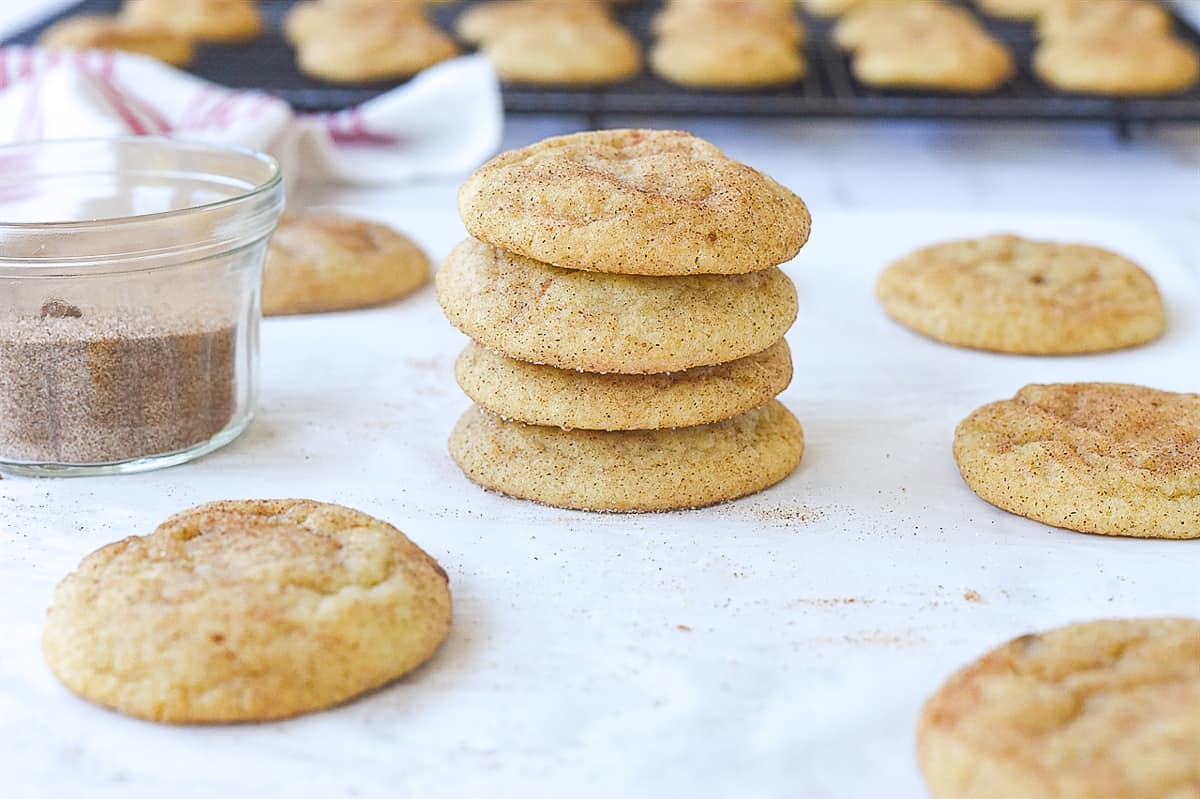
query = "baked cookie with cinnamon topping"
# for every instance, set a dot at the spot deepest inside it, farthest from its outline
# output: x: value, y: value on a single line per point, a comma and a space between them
x: 203, y: 20
x: 101, y: 32
x: 1103, y: 458
x: 328, y: 262
x: 1097, y: 709
x: 1009, y: 294
x: 630, y: 470
x: 640, y: 202
x: 629, y: 324
x: 247, y: 611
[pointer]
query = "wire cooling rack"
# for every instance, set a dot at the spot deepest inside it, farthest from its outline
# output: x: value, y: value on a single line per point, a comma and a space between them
x: 828, y: 91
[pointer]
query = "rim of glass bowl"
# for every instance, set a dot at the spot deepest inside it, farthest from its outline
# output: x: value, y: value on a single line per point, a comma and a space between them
x: 256, y: 224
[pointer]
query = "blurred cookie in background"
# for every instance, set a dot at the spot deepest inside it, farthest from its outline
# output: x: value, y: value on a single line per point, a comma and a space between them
x: 203, y: 20
x: 103, y: 32
x: 328, y: 262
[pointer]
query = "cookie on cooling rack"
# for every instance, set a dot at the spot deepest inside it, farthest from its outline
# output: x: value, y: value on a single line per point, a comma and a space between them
x: 106, y: 32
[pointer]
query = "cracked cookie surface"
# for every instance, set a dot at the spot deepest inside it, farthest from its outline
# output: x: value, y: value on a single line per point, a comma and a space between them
x: 1009, y: 294
x: 246, y: 611
x: 630, y: 324
x: 1103, y: 458
x: 566, y: 398
x: 629, y: 470
x: 643, y: 202
x: 1101, y: 709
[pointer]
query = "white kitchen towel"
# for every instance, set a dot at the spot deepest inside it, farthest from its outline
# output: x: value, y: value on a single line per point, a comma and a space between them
x: 444, y: 122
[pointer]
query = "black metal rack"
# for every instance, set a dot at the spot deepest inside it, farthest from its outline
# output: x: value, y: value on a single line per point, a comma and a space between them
x: 828, y: 91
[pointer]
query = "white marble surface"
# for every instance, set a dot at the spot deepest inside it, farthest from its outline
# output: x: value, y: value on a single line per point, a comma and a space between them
x: 567, y: 673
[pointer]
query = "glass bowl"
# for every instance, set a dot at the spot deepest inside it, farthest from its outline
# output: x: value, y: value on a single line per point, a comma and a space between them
x: 130, y: 274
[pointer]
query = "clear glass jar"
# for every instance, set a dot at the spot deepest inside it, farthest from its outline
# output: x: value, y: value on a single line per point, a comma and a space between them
x: 130, y: 274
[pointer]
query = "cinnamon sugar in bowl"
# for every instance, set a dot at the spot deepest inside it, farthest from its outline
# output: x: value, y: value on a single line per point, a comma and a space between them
x: 130, y: 274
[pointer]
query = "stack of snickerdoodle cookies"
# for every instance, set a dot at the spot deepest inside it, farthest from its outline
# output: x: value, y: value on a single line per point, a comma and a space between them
x: 627, y: 314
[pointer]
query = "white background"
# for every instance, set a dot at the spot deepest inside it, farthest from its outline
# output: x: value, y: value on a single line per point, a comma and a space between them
x: 567, y: 673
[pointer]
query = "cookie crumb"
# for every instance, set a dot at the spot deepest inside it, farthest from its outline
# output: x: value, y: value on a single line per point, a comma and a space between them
x: 972, y: 595
x: 683, y: 628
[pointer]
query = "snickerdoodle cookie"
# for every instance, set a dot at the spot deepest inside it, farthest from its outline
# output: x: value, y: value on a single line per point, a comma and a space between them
x: 483, y: 21
x: 633, y: 470
x: 328, y: 262
x: 1101, y: 458
x: 314, y: 18
x: 564, y: 52
x: 101, y: 32
x: 204, y: 20
x: 1096, y: 709
x: 684, y: 18
x: 1119, y: 63
x: 883, y: 19
x: 595, y: 322
x: 648, y: 202
x: 1009, y: 294
x: 358, y: 53
x: 246, y: 611
x: 938, y: 57
x: 535, y: 394
x: 1098, y: 17
x: 728, y: 57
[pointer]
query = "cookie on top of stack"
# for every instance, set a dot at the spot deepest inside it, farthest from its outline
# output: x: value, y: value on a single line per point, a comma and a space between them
x: 627, y: 314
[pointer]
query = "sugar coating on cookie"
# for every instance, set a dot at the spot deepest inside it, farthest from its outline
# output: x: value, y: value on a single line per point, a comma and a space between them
x: 1084, y: 18
x: 329, y: 262
x: 728, y: 57
x: 1118, y: 63
x: 1103, y: 458
x: 106, y: 32
x: 940, y: 57
x: 1096, y: 709
x: 649, y: 202
x: 204, y: 20
x: 633, y: 470
x: 246, y: 611
x: 567, y: 398
x: 556, y: 51
x: 1009, y: 294
x: 595, y: 322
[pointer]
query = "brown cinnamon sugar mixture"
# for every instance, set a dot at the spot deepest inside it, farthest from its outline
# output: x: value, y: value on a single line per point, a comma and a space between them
x: 76, y: 389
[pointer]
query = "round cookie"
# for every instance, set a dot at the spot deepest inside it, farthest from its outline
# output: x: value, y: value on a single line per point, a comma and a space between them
x: 683, y: 19
x: 1008, y: 294
x: 205, y: 20
x: 101, y: 32
x: 363, y: 53
x: 563, y: 52
x: 1087, y: 18
x: 482, y: 21
x: 327, y: 262
x: 246, y: 611
x: 1102, y: 458
x: 315, y: 18
x: 1117, y: 63
x: 888, y: 20
x: 632, y: 470
x: 940, y: 57
x: 1096, y: 709
x: 534, y: 394
x: 728, y: 57
x: 593, y: 322
x: 647, y: 202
